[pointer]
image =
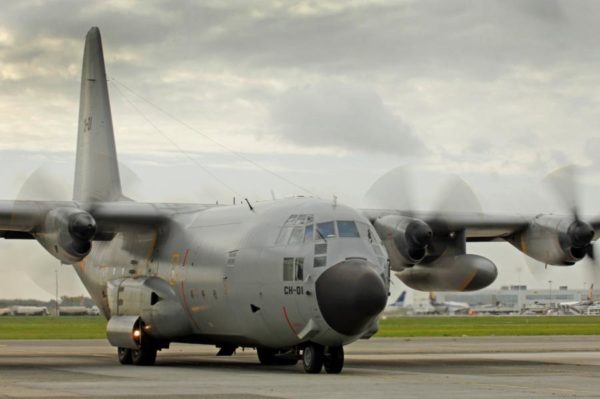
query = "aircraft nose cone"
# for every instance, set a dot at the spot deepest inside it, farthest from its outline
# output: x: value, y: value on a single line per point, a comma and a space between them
x: 350, y: 294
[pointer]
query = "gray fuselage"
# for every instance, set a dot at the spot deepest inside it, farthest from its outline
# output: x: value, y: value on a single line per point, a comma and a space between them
x: 250, y: 277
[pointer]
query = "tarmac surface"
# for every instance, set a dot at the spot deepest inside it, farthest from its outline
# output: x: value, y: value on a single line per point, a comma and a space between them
x: 466, y: 367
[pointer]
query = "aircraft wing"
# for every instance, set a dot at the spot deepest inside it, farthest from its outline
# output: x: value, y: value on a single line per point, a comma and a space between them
x: 438, y: 238
x: 24, y: 219
x: 478, y: 226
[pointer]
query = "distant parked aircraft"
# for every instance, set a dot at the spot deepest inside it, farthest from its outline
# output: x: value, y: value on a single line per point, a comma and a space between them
x: 396, y: 308
x: 30, y: 310
x: 448, y: 307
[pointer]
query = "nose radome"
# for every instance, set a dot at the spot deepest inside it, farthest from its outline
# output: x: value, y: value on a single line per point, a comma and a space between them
x: 350, y: 294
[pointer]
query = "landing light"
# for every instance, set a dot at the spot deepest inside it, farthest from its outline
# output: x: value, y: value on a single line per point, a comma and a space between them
x: 137, y: 334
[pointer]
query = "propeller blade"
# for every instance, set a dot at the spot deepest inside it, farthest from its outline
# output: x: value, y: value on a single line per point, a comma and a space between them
x: 563, y: 182
x: 45, y: 184
x: 393, y: 190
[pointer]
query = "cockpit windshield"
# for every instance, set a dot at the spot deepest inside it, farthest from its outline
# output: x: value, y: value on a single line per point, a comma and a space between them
x: 347, y: 228
x: 302, y: 228
x: 326, y: 230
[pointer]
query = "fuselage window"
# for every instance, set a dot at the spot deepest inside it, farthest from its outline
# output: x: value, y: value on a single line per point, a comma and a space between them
x: 320, y: 249
x: 320, y: 254
x: 293, y: 269
x: 347, y: 228
x: 320, y: 261
x: 325, y: 230
x: 231, y: 258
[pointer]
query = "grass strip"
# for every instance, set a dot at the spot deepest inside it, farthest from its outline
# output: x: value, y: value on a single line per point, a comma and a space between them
x: 49, y: 327
x: 488, y: 326
x: 94, y: 327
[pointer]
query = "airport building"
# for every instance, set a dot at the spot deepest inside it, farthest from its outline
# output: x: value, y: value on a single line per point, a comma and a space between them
x: 517, y: 296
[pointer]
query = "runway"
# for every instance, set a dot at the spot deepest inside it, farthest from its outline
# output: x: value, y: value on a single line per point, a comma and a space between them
x: 494, y: 367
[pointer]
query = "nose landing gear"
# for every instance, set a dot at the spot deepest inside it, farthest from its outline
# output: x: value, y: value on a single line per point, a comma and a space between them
x: 334, y: 359
x: 315, y: 356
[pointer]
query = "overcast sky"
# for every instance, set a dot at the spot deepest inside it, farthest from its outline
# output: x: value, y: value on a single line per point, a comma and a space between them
x: 326, y: 96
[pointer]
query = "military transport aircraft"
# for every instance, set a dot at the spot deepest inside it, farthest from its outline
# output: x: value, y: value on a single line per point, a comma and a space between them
x: 294, y: 278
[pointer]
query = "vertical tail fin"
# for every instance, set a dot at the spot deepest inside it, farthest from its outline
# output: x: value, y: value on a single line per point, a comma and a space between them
x: 400, y: 300
x: 432, y: 298
x: 96, y: 168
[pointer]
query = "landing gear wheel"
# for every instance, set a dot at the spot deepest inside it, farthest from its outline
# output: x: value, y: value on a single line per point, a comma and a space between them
x: 312, y: 358
x: 143, y: 356
x: 268, y: 357
x: 334, y: 359
x: 124, y: 355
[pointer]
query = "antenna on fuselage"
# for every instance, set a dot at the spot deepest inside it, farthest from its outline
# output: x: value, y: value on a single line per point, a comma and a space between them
x: 249, y: 204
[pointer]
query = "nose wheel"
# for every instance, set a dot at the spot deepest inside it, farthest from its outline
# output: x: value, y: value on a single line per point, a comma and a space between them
x: 315, y: 356
x: 334, y: 359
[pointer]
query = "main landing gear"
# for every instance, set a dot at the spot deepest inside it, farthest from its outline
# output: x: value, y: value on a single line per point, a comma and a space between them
x: 144, y: 356
x: 315, y: 357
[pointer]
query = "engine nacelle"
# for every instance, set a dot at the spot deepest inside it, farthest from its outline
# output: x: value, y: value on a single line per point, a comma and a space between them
x: 67, y: 234
x: 554, y: 240
x: 153, y: 301
x: 451, y: 273
x: 405, y: 239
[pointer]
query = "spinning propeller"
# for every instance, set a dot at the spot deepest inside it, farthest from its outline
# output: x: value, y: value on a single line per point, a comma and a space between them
x: 563, y: 182
x: 398, y: 190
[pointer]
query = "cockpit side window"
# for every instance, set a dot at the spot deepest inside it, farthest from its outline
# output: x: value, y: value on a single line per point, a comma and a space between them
x: 325, y: 230
x: 367, y: 232
x: 284, y: 236
x: 291, y: 220
x: 347, y: 228
x: 297, y: 235
x: 308, y: 233
x: 293, y: 230
x: 363, y: 229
